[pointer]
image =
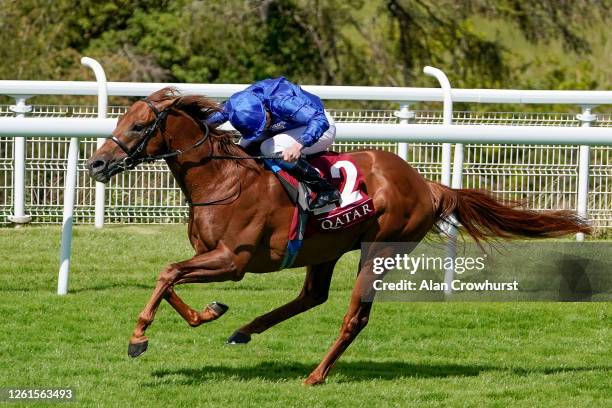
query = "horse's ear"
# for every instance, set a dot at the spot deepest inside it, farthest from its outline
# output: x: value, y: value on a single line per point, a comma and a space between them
x: 171, y: 92
x: 168, y: 93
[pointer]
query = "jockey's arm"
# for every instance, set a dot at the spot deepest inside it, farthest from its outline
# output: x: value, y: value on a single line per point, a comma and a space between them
x: 316, y: 125
x: 295, y: 109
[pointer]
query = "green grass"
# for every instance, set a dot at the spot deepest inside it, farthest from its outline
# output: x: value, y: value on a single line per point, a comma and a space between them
x: 411, y: 354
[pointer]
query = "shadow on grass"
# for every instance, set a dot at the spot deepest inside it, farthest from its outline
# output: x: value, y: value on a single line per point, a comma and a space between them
x: 95, y: 288
x: 554, y: 370
x: 349, y: 372
x: 114, y: 285
x: 353, y: 371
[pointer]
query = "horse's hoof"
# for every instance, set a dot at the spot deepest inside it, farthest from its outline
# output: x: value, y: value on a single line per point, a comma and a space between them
x: 218, y: 308
x: 314, y: 380
x: 136, y: 349
x: 239, y: 338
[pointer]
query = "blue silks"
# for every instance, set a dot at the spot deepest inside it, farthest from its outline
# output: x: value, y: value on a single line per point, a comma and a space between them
x: 289, y: 106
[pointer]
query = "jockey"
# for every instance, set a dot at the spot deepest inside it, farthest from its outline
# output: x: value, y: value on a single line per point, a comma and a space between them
x: 285, y: 121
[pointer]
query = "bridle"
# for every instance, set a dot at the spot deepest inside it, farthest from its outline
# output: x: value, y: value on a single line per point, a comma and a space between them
x: 136, y: 155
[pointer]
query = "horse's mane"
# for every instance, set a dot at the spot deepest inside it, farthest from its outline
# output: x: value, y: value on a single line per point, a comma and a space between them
x: 200, y: 108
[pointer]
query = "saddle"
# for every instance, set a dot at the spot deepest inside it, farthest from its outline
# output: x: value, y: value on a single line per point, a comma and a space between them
x: 355, y: 205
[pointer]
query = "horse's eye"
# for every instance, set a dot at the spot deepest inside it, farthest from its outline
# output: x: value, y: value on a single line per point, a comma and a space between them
x: 137, y: 127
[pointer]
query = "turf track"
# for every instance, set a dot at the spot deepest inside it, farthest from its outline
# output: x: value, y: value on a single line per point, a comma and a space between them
x: 420, y: 354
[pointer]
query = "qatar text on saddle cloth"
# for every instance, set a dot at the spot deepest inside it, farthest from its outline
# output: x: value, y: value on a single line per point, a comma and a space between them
x: 355, y: 205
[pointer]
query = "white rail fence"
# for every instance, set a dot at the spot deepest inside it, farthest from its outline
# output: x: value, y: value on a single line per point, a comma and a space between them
x: 544, y: 176
x: 543, y: 159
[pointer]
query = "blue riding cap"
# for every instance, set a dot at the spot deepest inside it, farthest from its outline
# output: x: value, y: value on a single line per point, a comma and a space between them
x: 246, y: 113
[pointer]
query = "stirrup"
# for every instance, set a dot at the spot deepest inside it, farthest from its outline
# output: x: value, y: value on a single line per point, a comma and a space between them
x: 310, y: 177
x: 325, y: 198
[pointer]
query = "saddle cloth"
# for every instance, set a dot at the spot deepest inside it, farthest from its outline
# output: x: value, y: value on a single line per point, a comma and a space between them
x: 355, y: 205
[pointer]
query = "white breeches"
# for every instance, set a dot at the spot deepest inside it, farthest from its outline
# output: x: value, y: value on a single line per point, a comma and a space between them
x: 281, y: 141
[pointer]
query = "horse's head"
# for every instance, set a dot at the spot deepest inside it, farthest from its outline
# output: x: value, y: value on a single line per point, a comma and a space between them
x: 144, y: 132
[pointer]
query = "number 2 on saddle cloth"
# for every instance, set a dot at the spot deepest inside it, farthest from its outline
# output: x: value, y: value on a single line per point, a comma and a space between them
x: 355, y: 206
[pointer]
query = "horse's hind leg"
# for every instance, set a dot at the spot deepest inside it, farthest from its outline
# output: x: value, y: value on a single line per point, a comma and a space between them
x: 355, y: 320
x: 314, y: 293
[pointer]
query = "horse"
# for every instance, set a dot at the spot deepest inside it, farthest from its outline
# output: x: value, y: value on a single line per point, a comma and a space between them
x: 240, y: 215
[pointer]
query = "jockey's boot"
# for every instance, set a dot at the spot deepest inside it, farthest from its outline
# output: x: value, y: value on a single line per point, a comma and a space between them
x: 307, y: 174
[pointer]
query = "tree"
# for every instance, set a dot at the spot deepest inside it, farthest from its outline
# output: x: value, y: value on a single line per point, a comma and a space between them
x: 479, y: 43
x: 445, y: 33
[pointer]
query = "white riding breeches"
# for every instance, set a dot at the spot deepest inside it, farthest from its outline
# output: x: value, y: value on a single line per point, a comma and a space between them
x: 281, y: 141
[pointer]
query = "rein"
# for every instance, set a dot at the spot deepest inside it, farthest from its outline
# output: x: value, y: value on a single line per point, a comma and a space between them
x: 135, y: 157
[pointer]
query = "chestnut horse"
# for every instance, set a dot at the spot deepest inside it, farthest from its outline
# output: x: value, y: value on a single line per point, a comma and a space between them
x: 240, y: 215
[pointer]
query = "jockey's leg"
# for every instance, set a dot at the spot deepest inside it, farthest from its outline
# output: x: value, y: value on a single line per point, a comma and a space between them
x: 326, y: 193
x: 301, y: 169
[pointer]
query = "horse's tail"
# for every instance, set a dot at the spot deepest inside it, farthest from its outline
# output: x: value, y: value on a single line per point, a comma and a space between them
x: 484, y: 217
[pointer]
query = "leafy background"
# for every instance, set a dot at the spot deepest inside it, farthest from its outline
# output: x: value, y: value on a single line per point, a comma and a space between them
x: 548, y: 44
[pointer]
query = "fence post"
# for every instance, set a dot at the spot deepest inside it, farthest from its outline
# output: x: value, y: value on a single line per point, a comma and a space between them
x: 586, y: 117
x: 457, y: 181
x: 69, y: 194
x: 102, y: 107
x: 404, y: 115
x: 19, y: 153
x: 447, y: 119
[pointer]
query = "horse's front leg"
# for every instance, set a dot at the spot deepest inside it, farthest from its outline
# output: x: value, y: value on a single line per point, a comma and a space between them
x: 193, y: 317
x: 218, y: 265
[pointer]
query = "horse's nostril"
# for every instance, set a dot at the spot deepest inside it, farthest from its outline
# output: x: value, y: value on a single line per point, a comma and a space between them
x: 98, y: 169
x: 97, y: 164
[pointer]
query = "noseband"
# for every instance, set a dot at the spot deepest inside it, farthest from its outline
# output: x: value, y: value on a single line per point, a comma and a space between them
x: 136, y: 156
